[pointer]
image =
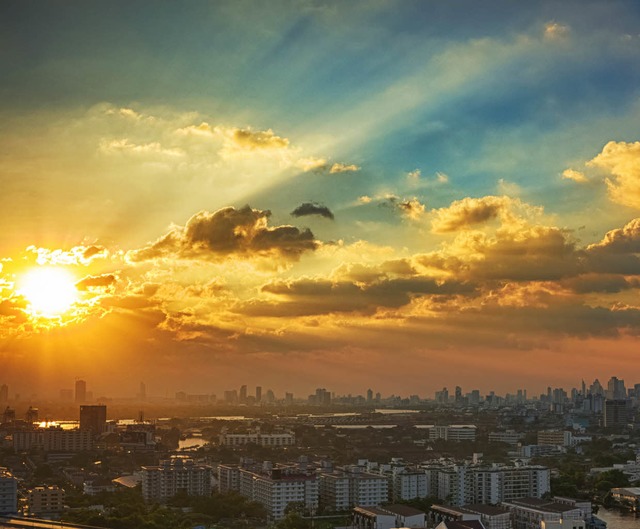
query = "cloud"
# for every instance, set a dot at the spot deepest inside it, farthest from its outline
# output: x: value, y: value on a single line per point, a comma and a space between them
x: 312, y: 164
x: 576, y: 176
x: 556, y: 31
x: 153, y: 150
x: 442, y: 178
x: 343, y: 168
x: 309, y: 208
x: 99, y: 282
x: 240, y: 232
x: 261, y: 139
x: 621, y: 240
x: 316, y: 296
x: 602, y: 283
x: 531, y: 253
x: 505, y: 187
x: 78, y: 255
x: 414, y: 176
x: 466, y: 213
x: 411, y: 208
x: 622, y: 161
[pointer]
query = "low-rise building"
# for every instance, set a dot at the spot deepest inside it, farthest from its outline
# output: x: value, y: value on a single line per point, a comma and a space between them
x: 453, y: 432
x: 529, y: 513
x: 555, y: 437
x: 45, y: 502
x: 509, y: 436
x: 388, y: 517
x: 629, y: 496
x: 261, y: 439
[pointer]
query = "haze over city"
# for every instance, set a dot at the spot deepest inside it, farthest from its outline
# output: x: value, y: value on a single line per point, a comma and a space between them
x: 296, y: 194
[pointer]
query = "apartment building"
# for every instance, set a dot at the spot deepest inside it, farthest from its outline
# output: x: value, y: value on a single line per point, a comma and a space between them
x: 45, y: 502
x: 178, y: 474
x: 469, y: 484
x: 8, y: 492
x: 53, y: 440
x: 453, y: 432
x: 352, y: 486
x: 262, y: 439
x: 274, y: 487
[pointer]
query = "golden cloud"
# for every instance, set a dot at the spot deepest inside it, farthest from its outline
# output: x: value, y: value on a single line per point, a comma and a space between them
x: 469, y: 212
x: 240, y: 232
x: 622, y: 161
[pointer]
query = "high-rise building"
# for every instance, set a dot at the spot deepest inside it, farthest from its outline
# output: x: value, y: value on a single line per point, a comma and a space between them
x: 178, y: 474
x: 243, y: 394
x: 369, y: 395
x: 8, y: 492
x: 231, y: 396
x: 275, y: 487
x: 81, y: 391
x: 596, y: 388
x: 442, y: 397
x: 616, y: 413
x: 616, y: 389
x: 258, y: 394
x: 93, y: 418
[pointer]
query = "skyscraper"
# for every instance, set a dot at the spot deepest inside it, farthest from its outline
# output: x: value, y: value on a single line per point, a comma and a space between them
x: 616, y: 413
x: 616, y: 389
x: 81, y: 391
x: 93, y: 418
x: 258, y: 394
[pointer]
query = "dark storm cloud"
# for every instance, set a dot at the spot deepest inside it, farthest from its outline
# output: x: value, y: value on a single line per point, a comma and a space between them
x: 229, y: 231
x: 310, y: 208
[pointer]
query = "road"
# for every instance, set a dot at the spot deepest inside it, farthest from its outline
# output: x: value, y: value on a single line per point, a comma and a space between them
x: 15, y: 523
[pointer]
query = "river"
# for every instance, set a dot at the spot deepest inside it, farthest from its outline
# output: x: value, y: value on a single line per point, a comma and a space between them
x: 619, y: 519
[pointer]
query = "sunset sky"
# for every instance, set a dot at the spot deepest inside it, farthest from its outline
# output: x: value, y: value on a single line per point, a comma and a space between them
x: 396, y: 195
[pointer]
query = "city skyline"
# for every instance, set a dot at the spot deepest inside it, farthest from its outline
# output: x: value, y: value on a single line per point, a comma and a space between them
x: 612, y: 388
x: 397, y: 196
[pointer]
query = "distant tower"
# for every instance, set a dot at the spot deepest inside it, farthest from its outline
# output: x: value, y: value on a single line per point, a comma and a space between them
x: 4, y: 394
x: 9, y: 415
x: 81, y: 391
x: 369, y: 395
x: 32, y: 415
x: 243, y: 394
x: 258, y: 393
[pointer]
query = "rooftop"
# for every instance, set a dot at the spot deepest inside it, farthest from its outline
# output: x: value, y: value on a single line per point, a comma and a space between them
x: 541, y: 505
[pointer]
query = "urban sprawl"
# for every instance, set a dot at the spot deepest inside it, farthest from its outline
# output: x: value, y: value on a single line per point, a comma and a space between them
x: 253, y: 459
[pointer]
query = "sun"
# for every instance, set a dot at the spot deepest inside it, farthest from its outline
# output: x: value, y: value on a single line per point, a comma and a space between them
x: 49, y: 291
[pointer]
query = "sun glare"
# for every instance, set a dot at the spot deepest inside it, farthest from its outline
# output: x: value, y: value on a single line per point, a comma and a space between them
x: 50, y: 292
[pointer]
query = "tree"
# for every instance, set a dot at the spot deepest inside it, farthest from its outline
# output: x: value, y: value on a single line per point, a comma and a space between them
x: 293, y: 521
